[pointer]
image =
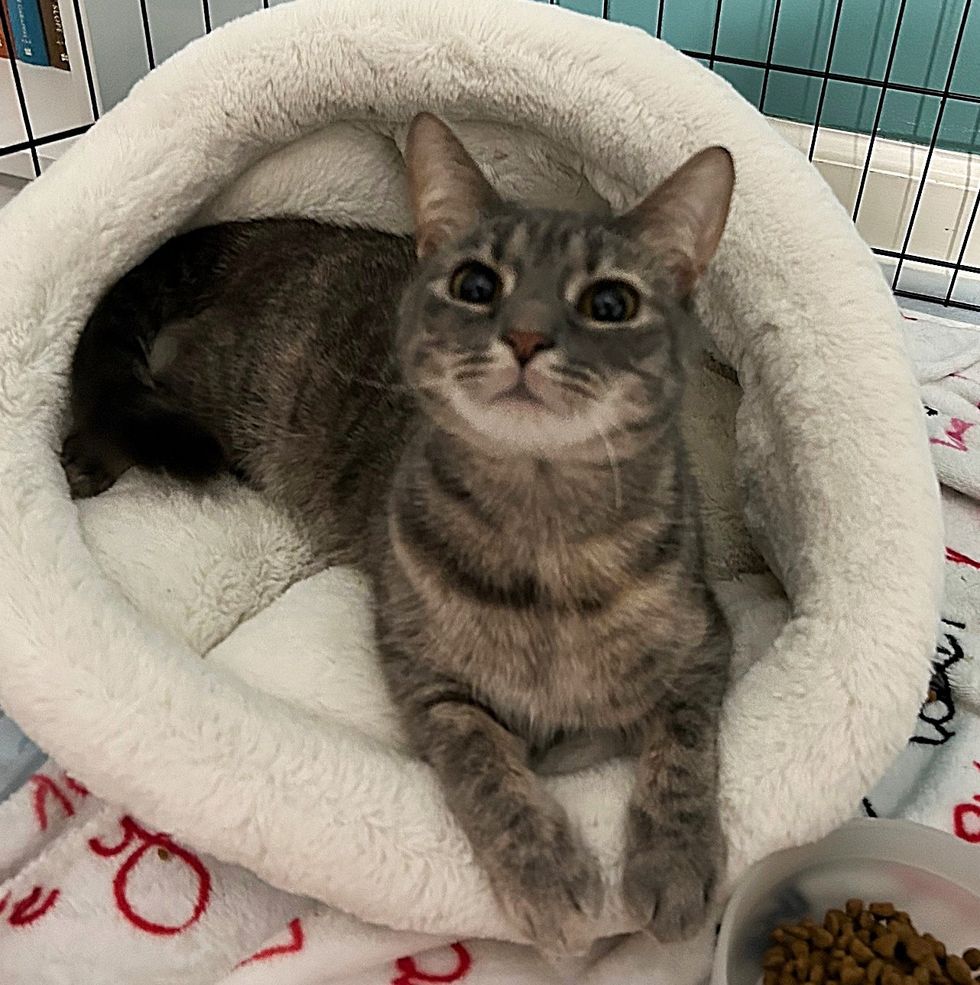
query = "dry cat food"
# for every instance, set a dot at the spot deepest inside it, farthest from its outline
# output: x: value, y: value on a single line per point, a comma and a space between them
x: 874, y: 945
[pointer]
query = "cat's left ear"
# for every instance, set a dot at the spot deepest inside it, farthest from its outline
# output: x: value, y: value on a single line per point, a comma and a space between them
x: 447, y: 190
x: 682, y: 219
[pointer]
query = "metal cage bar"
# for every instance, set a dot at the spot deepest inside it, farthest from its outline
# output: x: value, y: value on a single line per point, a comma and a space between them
x: 773, y: 29
x: 933, y: 142
x: 825, y: 82
x: 879, y: 109
x: 716, y: 27
x: 86, y: 63
x: 147, y: 37
x: 8, y: 39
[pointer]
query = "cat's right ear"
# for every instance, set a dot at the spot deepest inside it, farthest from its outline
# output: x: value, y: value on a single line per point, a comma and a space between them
x: 447, y: 191
x: 681, y: 221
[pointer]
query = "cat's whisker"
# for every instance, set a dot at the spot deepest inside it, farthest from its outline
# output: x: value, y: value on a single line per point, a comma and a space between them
x: 474, y: 359
x: 391, y: 385
x: 572, y: 372
x: 582, y: 391
x: 242, y: 419
x: 614, y: 468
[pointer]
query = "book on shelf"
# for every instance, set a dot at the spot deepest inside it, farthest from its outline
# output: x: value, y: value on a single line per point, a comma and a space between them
x: 37, y: 32
x: 54, y: 34
x: 27, y: 31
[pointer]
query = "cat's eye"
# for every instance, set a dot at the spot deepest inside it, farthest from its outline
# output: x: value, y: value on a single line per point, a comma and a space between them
x: 609, y: 301
x: 475, y: 283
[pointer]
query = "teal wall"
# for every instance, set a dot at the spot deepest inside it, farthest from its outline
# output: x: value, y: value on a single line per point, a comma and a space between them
x: 925, y: 47
x: 922, y: 59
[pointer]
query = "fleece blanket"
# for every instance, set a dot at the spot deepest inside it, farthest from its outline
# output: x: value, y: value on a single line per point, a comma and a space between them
x: 90, y: 895
x: 278, y: 751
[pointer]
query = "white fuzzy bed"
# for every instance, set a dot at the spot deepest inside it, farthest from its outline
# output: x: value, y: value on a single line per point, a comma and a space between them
x: 279, y: 750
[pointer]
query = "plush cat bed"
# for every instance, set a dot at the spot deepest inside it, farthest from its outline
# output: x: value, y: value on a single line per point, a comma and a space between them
x: 279, y: 751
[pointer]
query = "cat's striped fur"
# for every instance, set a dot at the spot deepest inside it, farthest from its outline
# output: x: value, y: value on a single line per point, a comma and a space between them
x: 511, y: 475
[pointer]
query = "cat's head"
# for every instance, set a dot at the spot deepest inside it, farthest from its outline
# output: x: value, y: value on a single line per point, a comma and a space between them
x: 544, y: 333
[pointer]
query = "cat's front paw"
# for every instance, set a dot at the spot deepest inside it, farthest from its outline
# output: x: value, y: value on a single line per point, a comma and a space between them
x: 669, y: 887
x: 551, y: 888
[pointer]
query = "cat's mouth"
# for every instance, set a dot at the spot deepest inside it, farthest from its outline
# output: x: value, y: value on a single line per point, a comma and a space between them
x: 518, y: 397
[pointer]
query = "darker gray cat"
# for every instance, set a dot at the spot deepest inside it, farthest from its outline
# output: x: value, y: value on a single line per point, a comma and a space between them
x: 492, y: 433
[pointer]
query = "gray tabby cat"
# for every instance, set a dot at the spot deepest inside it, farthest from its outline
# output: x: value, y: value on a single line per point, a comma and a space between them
x: 491, y: 430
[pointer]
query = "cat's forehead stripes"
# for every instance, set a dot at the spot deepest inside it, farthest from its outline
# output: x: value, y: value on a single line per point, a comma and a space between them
x: 549, y: 239
x: 517, y: 242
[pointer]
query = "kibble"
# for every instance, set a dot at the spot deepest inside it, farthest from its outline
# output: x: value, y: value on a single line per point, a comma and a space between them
x: 861, y: 952
x: 863, y: 945
x: 958, y: 970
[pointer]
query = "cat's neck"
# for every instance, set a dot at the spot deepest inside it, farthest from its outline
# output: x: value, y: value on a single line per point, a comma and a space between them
x: 588, y: 491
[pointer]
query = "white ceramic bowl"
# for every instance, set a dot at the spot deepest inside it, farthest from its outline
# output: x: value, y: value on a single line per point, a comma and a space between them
x: 932, y: 875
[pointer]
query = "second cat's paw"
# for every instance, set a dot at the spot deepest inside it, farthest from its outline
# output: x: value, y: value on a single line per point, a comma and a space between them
x: 553, y: 892
x: 669, y: 889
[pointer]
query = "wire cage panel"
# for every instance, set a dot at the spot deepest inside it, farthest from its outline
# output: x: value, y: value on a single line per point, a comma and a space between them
x: 882, y: 95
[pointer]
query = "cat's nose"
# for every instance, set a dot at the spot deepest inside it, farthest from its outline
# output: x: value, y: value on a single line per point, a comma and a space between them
x: 526, y: 345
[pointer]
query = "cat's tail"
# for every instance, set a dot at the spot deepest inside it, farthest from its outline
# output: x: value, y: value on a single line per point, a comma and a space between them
x: 119, y: 417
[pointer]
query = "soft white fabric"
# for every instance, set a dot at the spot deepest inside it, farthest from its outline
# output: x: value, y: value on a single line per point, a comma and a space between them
x: 246, y: 756
x: 246, y: 933
x: 939, y: 347
x: 94, y: 898
x: 936, y: 780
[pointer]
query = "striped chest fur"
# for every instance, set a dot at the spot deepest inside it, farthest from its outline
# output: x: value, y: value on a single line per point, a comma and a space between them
x: 566, y: 598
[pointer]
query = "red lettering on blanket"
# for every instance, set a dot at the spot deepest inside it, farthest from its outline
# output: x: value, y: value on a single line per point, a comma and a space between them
x: 46, y: 789
x: 957, y: 558
x: 133, y: 832
x: 966, y: 818
x: 295, y: 944
x: 410, y: 974
x: 953, y: 438
x: 75, y: 787
x: 4, y: 902
x: 32, y: 907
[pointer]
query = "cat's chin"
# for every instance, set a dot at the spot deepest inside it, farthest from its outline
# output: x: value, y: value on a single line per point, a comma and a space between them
x: 520, y: 423
x: 520, y: 401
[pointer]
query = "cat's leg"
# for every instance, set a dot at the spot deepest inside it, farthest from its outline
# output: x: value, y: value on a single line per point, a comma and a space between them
x: 91, y: 464
x: 120, y: 416
x: 674, y: 842
x: 545, y: 879
x: 140, y: 430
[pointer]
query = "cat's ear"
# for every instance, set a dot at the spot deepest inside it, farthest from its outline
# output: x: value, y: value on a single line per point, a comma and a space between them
x: 683, y: 218
x: 447, y: 191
